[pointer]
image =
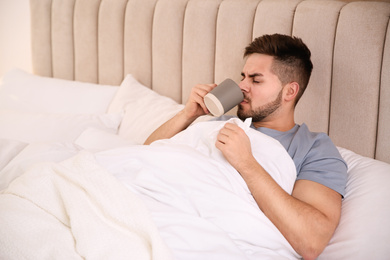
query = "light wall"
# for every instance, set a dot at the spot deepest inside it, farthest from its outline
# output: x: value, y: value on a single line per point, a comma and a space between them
x: 15, y: 49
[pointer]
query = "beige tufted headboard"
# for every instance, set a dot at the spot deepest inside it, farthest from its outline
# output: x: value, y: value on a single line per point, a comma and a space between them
x: 170, y: 45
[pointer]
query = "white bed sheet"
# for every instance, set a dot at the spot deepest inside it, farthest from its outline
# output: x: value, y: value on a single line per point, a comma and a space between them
x: 364, y: 229
x: 30, y: 155
x: 8, y: 150
x: 200, y: 203
x: 75, y: 209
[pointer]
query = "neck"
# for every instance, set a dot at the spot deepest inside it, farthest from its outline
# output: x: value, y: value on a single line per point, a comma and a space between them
x: 281, y: 123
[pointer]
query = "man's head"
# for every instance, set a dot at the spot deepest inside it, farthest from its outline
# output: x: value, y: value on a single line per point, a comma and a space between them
x: 277, y: 69
x: 291, y: 58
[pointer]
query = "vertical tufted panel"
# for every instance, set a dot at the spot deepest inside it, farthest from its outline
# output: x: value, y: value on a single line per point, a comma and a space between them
x: 138, y: 40
x: 170, y: 45
x: 62, y: 39
x: 111, y: 41
x: 41, y: 37
x: 234, y: 33
x: 314, y: 106
x: 199, y: 43
x: 275, y: 16
x: 355, y: 93
x: 167, y: 47
x: 86, y: 15
x: 383, y: 140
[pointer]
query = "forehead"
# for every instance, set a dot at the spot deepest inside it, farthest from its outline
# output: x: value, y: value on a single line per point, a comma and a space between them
x: 258, y: 63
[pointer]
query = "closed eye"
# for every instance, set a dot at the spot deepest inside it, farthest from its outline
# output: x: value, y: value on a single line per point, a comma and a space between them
x: 252, y: 76
x: 243, y: 76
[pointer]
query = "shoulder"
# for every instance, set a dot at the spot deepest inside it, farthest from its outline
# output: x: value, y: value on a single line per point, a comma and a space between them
x: 320, y: 160
x: 316, y: 144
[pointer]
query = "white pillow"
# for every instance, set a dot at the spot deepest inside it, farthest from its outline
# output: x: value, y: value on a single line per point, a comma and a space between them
x: 26, y: 92
x: 364, y: 229
x: 145, y: 110
x: 34, y: 127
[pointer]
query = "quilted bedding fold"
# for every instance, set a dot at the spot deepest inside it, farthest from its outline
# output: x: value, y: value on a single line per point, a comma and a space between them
x: 75, y: 210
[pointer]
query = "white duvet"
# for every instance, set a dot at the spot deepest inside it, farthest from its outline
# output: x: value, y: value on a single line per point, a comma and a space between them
x: 200, y: 205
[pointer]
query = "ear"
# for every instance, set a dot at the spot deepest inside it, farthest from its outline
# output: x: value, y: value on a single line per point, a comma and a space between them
x: 291, y: 91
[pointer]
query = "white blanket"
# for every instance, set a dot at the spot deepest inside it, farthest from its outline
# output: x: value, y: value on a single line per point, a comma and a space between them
x: 200, y: 203
x: 22, y: 156
x: 75, y: 210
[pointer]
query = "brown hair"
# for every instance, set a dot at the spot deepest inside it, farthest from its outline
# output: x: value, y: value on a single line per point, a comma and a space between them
x: 291, y: 58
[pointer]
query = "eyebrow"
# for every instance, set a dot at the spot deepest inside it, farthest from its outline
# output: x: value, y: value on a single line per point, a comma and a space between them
x: 252, y: 75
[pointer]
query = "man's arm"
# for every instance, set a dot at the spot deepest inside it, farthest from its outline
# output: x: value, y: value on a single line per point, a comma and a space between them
x: 307, y: 218
x: 194, y: 108
x: 170, y: 128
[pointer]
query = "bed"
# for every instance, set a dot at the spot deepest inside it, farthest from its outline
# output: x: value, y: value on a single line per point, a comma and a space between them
x: 76, y: 181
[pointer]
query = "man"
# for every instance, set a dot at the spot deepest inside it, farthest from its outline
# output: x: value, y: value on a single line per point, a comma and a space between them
x: 274, y: 77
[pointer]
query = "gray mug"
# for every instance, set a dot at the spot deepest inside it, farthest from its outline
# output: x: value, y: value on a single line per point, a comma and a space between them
x: 223, y: 97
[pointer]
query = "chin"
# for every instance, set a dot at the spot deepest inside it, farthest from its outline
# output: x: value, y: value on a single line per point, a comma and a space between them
x: 241, y: 114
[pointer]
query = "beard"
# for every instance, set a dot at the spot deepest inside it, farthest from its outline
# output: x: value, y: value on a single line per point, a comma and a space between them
x: 260, y: 113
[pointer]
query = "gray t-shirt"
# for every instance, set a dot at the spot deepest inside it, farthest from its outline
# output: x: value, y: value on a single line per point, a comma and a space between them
x: 314, y: 154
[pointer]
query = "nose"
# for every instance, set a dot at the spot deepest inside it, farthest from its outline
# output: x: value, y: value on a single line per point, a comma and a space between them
x: 244, y: 86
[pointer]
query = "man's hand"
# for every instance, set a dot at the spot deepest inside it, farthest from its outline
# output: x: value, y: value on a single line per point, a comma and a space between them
x: 235, y: 145
x: 307, y: 218
x: 195, y: 105
x: 194, y: 108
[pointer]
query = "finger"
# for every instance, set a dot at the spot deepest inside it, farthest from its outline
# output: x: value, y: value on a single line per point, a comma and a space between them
x: 200, y: 92
x: 203, y: 89
x: 196, y: 97
x: 219, y: 145
x: 225, y: 132
x: 235, y: 129
x: 199, y: 100
x: 221, y: 138
x: 232, y: 127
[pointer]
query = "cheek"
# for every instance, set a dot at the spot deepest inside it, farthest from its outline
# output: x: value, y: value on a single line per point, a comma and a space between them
x: 260, y: 97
